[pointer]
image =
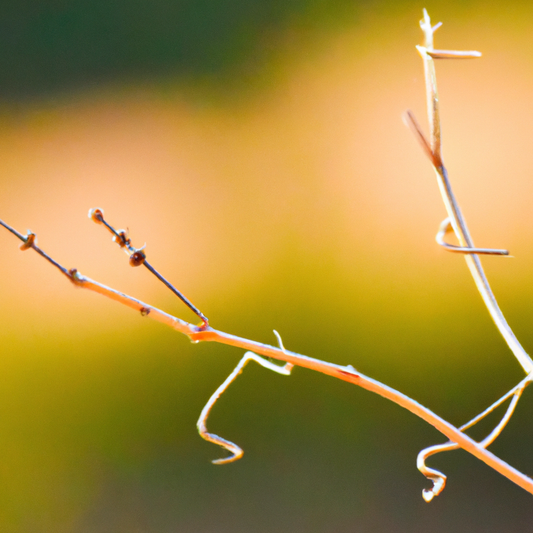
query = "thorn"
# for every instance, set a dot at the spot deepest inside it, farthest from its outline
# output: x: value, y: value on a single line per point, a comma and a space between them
x: 410, y: 121
x: 280, y: 342
x: 453, y: 54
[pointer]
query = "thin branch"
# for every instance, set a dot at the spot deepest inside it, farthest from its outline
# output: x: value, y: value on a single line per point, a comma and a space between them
x: 456, y: 222
x: 138, y: 257
x: 452, y: 207
x: 30, y: 241
x: 344, y: 373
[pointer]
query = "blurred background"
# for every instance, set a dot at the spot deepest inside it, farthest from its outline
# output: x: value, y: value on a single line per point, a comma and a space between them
x: 257, y: 147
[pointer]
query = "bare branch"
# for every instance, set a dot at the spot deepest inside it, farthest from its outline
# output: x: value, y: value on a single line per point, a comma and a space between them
x: 452, y: 207
x: 345, y: 373
x: 30, y: 241
x: 255, y: 350
x: 456, y: 222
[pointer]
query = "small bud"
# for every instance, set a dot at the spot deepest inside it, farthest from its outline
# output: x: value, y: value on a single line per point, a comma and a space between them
x: 31, y: 239
x: 121, y: 238
x: 96, y: 215
x: 75, y: 276
x: 137, y: 258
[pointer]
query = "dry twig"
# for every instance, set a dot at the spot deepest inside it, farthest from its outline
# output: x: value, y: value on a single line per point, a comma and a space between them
x: 456, y: 223
x: 204, y: 332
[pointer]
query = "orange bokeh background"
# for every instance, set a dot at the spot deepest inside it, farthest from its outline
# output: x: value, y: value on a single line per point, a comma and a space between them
x: 296, y: 200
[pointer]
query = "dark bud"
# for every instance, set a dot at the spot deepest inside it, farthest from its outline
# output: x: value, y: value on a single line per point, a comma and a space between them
x: 121, y: 238
x: 137, y: 258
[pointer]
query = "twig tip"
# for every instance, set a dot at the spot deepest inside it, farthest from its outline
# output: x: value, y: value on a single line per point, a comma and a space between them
x: 280, y: 342
x: 96, y: 215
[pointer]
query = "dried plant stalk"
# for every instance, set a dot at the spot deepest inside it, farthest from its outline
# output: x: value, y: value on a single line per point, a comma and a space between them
x: 456, y: 223
x: 433, y: 149
x: 204, y: 332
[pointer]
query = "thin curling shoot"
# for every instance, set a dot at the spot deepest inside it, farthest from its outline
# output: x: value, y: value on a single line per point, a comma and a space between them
x: 446, y: 227
x: 235, y: 450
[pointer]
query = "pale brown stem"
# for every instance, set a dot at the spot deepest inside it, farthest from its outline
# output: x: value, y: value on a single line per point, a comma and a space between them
x: 345, y: 373
x: 452, y: 207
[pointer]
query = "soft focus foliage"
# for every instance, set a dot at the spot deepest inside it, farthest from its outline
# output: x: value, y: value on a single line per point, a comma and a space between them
x: 259, y: 151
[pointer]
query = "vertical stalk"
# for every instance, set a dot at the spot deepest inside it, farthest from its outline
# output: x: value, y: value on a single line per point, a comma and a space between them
x: 452, y: 207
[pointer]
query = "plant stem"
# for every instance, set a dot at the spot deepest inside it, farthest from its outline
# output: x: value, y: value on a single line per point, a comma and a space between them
x: 345, y: 373
x: 452, y: 207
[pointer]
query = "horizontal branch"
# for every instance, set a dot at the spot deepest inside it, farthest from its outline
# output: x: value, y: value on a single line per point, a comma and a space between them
x: 205, y: 333
x: 345, y: 373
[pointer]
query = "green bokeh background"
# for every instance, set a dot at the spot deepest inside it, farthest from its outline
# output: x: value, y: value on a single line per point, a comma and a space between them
x: 257, y: 147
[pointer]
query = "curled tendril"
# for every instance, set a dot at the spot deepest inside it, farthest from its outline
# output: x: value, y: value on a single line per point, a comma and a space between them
x: 446, y: 227
x: 235, y: 451
x: 438, y: 478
